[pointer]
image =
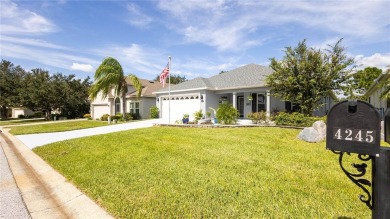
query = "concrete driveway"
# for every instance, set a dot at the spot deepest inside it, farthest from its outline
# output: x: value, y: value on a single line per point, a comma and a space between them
x: 35, y: 140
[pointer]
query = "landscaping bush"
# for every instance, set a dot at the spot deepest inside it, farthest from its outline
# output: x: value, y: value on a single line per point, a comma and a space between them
x: 198, y: 115
x: 135, y: 116
x: 38, y: 114
x: 128, y: 117
x: 104, y: 117
x: 87, y: 116
x: 21, y: 116
x: 226, y: 114
x: 116, y: 117
x: 154, y: 112
x: 257, y: 117
x: 296, y: 119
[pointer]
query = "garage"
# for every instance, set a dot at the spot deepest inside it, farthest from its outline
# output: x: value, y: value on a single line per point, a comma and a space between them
x: 99, y: 110
x: 180, y: 105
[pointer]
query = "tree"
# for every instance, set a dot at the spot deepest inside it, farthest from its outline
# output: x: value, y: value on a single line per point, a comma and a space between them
x: 361, y: 81
x: 71, y: 95
x: 110, y: 76
x: 175, y: 79
x: 10, y: 86
x: 305, y: 75
x: 39, y: 93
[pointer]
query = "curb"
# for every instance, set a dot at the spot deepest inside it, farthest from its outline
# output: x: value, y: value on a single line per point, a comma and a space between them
x: 46, y: 193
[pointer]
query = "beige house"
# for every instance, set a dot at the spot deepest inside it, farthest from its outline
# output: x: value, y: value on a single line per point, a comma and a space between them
x: 21, y: 111
x: 112, y: 104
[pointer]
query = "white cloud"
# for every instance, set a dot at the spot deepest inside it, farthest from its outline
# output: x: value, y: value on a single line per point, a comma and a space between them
x: 136, y: 17
x: 20, y: 21
x: 82, y: 67
x: 229, y: 25
x: 381, y: 61
x: 31, y: 42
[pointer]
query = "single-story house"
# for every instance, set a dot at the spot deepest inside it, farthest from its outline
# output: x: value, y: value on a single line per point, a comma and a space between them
x: 244, y: 87
x: 21, y: 111
x: 112, y: 104
x: 373, y: 94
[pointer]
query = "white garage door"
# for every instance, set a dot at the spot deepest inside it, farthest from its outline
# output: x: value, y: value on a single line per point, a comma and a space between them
x: 99, y: 110
x: 180, y: 106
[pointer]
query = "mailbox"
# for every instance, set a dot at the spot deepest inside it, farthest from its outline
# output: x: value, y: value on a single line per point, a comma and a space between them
x: 353, y: 126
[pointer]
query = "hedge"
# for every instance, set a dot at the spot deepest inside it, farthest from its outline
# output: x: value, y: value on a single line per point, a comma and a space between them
x: 296, y: 119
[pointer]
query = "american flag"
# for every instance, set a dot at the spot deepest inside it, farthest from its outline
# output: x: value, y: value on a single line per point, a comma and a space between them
x: 164, y: 74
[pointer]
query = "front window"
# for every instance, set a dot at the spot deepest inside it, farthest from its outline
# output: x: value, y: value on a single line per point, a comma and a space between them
x: 117, y: 106
x: 134, y: 108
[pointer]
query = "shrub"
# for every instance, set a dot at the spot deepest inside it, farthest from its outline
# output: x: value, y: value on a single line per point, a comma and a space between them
x: 257, y: 117
x: 135, y: 116
x: 226, y: 114
x: 87, y: 116
x: 104, y: 117
x: 21, y: 116
x: 154, y: 112
x: 115, y: 117
x: 198, y: 115
x: 128, y: 117
x: 296, y: 119
x: 38, y: 114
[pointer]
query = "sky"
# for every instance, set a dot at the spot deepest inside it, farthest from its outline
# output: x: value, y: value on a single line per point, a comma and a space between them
x: 202, y: 37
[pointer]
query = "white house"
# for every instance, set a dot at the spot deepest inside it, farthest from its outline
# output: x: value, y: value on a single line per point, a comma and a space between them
x: 374, y: 92
x: 244, y: 87
x: 112, y: 105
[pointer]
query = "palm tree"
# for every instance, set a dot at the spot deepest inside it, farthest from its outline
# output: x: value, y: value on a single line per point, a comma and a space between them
x: 110, y: 76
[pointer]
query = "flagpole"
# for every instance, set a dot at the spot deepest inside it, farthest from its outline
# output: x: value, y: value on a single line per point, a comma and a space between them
x: 169, y: 88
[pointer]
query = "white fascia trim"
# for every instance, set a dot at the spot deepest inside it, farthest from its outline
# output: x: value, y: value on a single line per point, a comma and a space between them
x: 180, y: 95
x: 184, y: 90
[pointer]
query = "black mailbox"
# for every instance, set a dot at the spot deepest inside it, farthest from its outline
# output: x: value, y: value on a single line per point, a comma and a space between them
x: 353, y: 126
x: 387, y: 125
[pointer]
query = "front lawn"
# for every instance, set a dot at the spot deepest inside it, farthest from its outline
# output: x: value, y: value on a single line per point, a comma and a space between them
x: 13, y: 121
x: 56, y: 127
x: 169, y: 172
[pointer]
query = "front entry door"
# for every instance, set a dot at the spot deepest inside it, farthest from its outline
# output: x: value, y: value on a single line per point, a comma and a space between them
x: 240, y: 106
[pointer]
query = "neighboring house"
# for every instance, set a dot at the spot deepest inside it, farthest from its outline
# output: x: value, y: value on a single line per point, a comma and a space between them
x: 112, y: 105
x: 244, y: 87
x: 21, y: 111
x: 374, y: 92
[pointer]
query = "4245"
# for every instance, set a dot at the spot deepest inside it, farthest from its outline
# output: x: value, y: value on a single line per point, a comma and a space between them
x: 357, y: 135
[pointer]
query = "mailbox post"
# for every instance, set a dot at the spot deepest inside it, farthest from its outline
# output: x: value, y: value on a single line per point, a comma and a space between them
x: 353, y: 126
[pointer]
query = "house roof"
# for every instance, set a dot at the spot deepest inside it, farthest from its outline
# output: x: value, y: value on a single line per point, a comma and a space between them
x: 378, y: 82
x: 148, y: 88
x: 251, y: 75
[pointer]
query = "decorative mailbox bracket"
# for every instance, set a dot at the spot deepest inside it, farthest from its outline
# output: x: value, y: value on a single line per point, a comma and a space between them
x: 354, y: 127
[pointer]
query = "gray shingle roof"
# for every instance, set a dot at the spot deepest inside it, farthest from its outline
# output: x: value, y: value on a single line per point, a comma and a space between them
x: 251, y: 75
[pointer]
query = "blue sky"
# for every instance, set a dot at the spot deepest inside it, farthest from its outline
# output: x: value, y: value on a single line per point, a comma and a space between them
x: 203, y: 37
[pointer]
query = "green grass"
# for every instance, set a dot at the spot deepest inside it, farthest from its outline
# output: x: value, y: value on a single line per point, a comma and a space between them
x: 56, y: 127
x: 166, y: 172
x: 12, y: 121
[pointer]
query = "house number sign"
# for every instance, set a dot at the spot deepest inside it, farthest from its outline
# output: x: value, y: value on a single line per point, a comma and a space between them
x: 357, y: 135
x: 353, y: 127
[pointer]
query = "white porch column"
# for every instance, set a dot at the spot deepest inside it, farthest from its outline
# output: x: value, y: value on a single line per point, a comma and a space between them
x: 268, y: 103
x: 235, y: 100
x: 121, y: 107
